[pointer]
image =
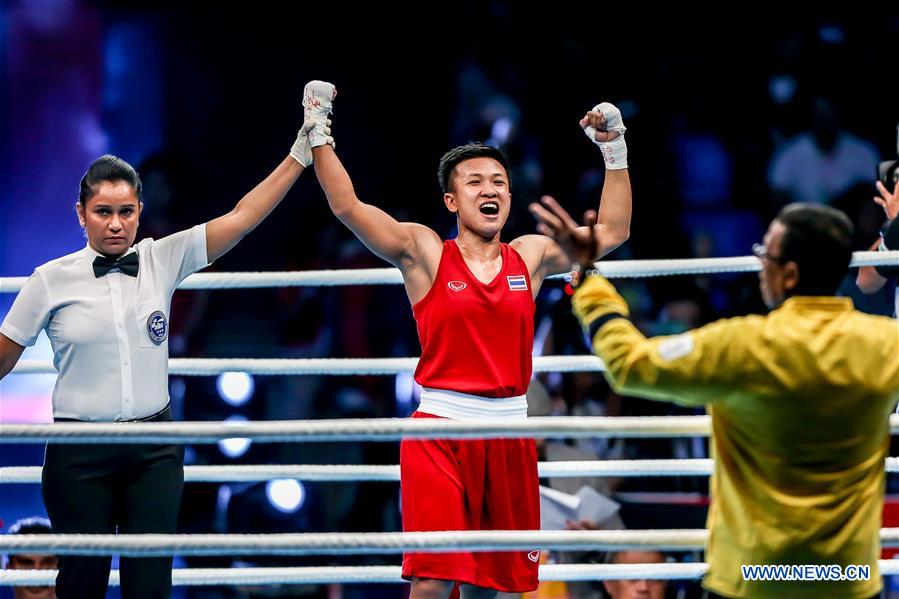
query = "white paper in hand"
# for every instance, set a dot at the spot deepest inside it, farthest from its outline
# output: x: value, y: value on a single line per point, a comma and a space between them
x: 595, y: 506
x: 557, y: 508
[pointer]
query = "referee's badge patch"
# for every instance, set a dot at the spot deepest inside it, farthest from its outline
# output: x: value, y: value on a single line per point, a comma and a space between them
x: 158, y: 326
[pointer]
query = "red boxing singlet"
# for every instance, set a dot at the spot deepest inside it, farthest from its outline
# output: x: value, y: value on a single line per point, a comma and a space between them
x: 476, y: 338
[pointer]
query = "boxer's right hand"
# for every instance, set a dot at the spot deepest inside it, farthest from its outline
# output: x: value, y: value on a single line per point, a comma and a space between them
x: 317, y: 105
x: 604, y: 126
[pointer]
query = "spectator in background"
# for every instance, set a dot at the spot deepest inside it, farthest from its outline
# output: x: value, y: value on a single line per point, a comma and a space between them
x: 822, y: 164
x: 636, y: 589
x: 32, y: 561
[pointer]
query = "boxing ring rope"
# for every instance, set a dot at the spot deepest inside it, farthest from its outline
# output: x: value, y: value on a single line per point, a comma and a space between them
x: 366, y: 543
x: 391, y: 473
x: 360, y: 543
x: 383, y: 574
x: 388, y: 473
x: 364, y: 429
x: 391, y: 574
x: 357, y: 429
x: 312, y: 366
x: 391, y: 276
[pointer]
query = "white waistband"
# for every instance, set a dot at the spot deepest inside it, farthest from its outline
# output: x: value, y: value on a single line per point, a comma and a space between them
x: 462, y: 406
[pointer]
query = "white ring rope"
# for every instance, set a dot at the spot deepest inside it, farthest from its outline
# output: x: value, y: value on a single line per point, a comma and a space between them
x: 391, y: 574
x: 354, y: 429
x: 367, y: 543
x: 155, y: 545
x: 365, y: 429
x: 391, y: 276
x: 383, y: 574
x: 391, y: 473
x: 379, y: 473
x: 329, y: 366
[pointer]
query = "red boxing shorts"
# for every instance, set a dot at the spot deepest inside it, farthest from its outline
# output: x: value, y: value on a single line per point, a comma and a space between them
x: 481, y: 484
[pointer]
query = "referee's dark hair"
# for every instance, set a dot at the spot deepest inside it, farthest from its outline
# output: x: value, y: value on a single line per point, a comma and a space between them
x: 108, y: 168
x: 819, y: 240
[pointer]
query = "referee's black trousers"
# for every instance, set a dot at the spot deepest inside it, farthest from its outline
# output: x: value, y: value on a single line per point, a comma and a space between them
x: 101, y: 489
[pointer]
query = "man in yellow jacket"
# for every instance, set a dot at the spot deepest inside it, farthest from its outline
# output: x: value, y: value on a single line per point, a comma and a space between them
x: 799, y: 399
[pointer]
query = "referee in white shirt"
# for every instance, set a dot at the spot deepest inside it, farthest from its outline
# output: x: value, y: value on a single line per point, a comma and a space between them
x: 105, y: 309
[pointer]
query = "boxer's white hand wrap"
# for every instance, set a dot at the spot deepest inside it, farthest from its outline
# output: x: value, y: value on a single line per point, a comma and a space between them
x: 613, y: 152
x: 302, y: 149
x: 317, y: 99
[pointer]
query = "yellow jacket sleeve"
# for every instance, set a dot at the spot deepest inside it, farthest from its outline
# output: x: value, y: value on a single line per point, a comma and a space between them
x: 694, y: 368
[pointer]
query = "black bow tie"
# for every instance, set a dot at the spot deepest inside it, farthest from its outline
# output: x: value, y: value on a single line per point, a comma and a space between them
x: 127, y: 264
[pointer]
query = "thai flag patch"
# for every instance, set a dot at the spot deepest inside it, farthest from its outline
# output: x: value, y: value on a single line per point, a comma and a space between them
x: 517, y: 283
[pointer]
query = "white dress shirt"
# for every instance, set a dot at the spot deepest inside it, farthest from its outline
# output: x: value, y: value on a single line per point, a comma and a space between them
x: 109, y: 334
